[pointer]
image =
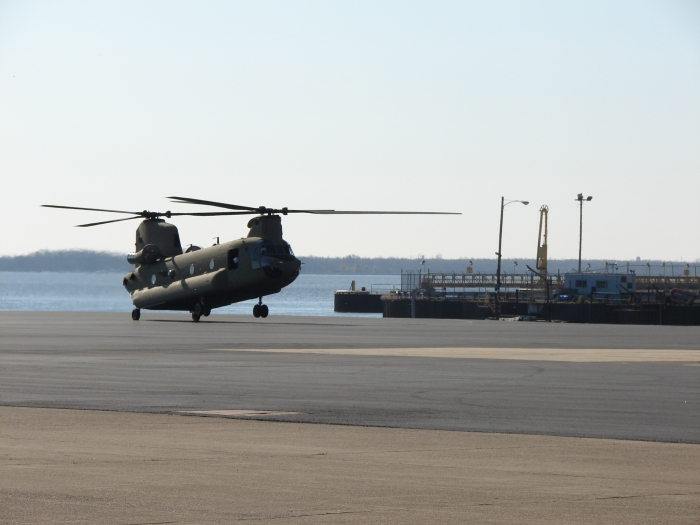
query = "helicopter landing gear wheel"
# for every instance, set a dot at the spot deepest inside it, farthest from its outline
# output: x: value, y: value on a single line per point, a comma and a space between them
x: 197, y: 312
x: 135, y: 314
x: 200, y: 309
x: 260, y: 310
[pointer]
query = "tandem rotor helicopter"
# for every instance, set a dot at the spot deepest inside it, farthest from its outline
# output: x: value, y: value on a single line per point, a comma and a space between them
x: 198, y: 280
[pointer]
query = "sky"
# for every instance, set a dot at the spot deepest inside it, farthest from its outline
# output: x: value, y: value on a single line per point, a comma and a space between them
x: 399, y: 105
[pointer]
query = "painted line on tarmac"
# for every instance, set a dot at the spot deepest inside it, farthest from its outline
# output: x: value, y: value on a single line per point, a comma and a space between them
x: 236, y: 413
x: 577, y: 355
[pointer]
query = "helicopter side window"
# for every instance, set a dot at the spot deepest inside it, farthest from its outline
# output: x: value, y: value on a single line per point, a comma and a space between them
x: 233, y: 259
x: 255, y: 257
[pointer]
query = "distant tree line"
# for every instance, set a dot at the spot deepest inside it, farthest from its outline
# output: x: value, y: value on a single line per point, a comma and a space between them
x: 91, y: 261
x: 66, y: 261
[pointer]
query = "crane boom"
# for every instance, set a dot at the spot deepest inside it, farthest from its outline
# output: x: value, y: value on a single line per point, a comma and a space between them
x: 542, y: 244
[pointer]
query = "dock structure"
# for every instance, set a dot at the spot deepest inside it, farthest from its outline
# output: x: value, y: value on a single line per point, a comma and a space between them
x: 585, y: 297
x: 476, y: 308
x: 362, y: 300
x: 433, y: 281
x: 358, y: 301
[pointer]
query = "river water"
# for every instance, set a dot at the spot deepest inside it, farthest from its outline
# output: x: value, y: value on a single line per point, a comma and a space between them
x: 103, y: 292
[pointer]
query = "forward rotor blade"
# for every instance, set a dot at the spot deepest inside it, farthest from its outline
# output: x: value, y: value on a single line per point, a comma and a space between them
x: 351, y: 212
x: 213, y: 203
x: 90, y: 209
x: 107, y: 222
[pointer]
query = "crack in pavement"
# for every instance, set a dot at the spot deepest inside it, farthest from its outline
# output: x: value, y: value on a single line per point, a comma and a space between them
x: 338, y: 513
x: 649, y: 495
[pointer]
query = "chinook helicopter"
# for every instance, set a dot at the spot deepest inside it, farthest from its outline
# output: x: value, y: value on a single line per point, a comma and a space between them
x: 198, y: 280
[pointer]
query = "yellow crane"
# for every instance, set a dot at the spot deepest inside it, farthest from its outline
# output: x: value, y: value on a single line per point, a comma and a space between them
x: 542, y: 245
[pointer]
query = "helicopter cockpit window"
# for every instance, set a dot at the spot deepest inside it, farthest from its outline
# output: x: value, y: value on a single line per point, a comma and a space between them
x: 279, y: 251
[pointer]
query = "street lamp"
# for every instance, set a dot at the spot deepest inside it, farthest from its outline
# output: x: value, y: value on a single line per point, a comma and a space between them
x: 580, y: 199
x: 498, y: 270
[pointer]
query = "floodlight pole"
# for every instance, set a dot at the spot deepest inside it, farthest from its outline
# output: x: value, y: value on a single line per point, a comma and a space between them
x: 498, y: 268
x: 580, y: 199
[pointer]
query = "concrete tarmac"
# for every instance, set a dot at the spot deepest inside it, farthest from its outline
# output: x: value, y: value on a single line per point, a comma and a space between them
x: 65, y: 466
x: 145, y: 454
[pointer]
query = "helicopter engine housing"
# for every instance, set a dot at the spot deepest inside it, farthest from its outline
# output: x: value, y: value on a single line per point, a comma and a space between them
x: 150, y: 254
x: 266, y: 227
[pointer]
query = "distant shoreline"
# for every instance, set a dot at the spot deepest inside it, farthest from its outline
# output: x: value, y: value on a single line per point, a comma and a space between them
x: 72, y: 261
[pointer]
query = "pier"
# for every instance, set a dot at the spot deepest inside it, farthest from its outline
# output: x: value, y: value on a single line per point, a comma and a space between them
x: 587, y: 297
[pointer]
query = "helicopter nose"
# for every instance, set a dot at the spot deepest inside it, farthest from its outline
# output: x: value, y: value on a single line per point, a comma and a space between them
x: 292, y: 268
x: 288, y: 270
x: 296, y: 266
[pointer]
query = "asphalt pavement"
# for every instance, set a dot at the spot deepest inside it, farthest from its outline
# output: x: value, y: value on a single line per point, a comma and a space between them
x: 165, y: 363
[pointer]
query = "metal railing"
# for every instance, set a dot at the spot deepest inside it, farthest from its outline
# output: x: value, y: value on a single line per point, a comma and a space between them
x: 687, y: 282
x: 431, y: 281
x: 384, y: 288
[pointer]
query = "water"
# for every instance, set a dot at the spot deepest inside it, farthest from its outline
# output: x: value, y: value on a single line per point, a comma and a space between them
x: 103, y: 292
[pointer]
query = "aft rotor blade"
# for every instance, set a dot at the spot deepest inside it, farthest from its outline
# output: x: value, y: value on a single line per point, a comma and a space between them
x: 215, y: 213
x: 213, y: 203
x: 89, y: 209
x: 107, y: 222
x: 285, y: 211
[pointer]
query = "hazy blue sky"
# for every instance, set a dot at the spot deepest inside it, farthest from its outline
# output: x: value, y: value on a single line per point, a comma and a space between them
x: 357, y: 105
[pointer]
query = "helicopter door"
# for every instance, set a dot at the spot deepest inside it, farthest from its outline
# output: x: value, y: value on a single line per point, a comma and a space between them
x: 233, y: 259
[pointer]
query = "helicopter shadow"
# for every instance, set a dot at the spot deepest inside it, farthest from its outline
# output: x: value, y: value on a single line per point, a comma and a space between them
x: 244, y: 322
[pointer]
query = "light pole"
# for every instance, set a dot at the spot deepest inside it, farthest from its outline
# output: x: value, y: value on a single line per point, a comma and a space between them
x: 580, y: 199
x: 498, y: 270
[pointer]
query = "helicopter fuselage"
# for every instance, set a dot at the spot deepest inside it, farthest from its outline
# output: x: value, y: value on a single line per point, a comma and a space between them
x: 213, y: 277
x: 198, y: 280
